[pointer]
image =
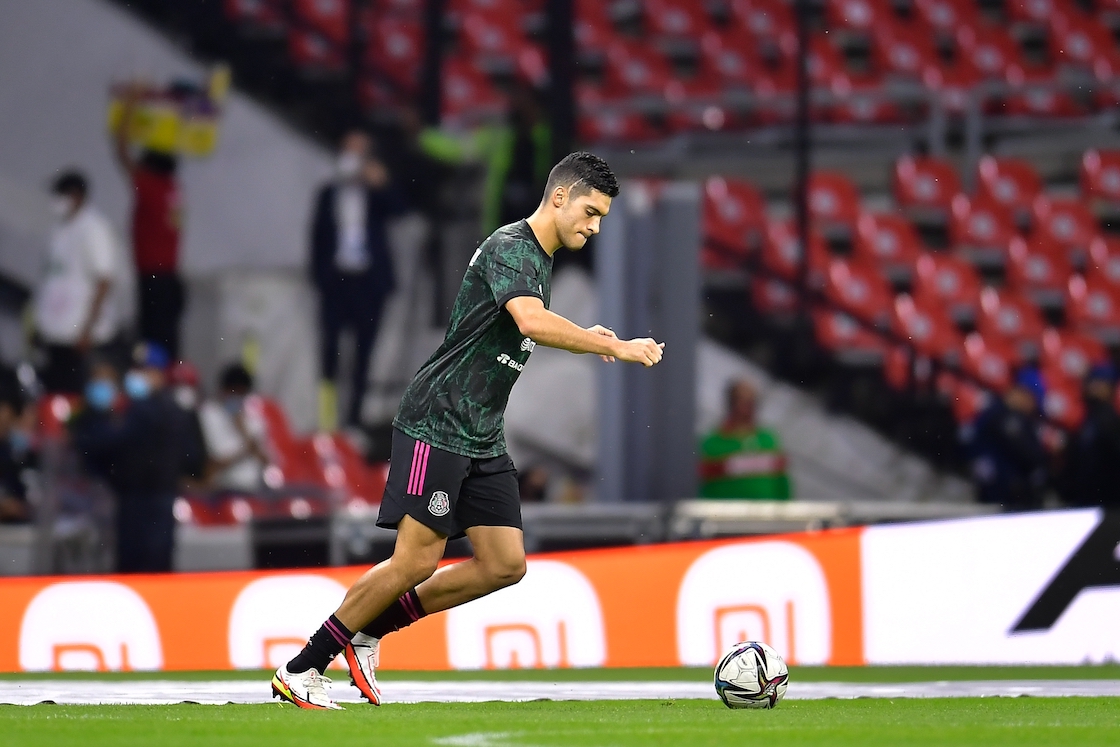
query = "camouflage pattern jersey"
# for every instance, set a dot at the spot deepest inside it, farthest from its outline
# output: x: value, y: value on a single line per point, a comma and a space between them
x: 457, y: 400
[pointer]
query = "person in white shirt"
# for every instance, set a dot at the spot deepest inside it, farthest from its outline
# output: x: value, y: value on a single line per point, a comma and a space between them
x: 234, y: 437
x: 75, y: 308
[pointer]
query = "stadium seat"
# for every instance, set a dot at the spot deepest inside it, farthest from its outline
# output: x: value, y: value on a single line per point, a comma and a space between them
x: 292, y: 459
x: 1083, y: 43
x: 1100, y: 176
x: 467, y: 92
x: 856, y: 15
x: 1038, y: 268
x: 1037, y: 95
x: 259, y: 15
x: 980, y: 230
x: 1011, y: 183
x: 734, y: 215
x: 928, y: 328
x: 954, y: 82
x: 860, y: 291
x: 1067, y: 222
x: 924, y: 187
x: 990, y: 49
x: 905, y: 50
x: 315, y: 52
x: 833, y: 203
x: 1093, y: 307
x: 411, y: 9
x: 615, y: 127
x: 1070, y: 352
x: 593, y: 30
x: 989, y: 362
x: 773, y: 297
x: 888, y: 241
x: 1104, y: 260
x: 860, y: 99
x: 726, y: 55
x: 1010, y: 319
x: 633, y: 68
x: 490, y: 35
x: 966, y: 399
x: 949, y: 282
x: 1062, y: 403
x: 396, y: 49
x: 771, y: 22
x: 946, y: 16
x: 782, y: 255
x: 331, y: 18
x: 675, y: 19
x: 1038, y: 12
x: 847, y: 340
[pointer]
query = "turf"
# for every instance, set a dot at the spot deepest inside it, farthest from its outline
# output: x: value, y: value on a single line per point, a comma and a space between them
x: 988, y: 722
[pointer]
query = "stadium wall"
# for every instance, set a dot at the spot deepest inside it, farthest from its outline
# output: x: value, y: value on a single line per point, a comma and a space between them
x: 1029, y: 588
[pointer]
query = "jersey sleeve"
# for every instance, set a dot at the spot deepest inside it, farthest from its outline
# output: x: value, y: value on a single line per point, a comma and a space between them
x: 510, y: 273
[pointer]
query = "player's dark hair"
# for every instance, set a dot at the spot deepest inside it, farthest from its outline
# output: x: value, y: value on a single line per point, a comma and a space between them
x: 71, y: 182
x: 583, y: 172
x: 236, y: 378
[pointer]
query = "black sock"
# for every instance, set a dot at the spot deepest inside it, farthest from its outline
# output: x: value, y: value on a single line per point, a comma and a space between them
x: 400, y: 614
x: 322, y: 647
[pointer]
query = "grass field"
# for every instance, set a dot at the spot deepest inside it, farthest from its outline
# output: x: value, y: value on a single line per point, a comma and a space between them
x: 963, y: 721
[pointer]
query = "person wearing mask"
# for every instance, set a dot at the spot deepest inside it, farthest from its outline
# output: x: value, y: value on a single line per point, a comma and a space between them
x: 182, y: 380
x: 739, y: 459
x: 136, y: 443
x: 351, y: 266
x: 1009, y: 463
x: 1093, y: 470
x: 234, y: 436
x: 157, y: 220
x: 75, y: 308
x: 16, y: 456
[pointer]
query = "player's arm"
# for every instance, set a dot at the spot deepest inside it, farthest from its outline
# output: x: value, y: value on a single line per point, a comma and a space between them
x: 552, y: 330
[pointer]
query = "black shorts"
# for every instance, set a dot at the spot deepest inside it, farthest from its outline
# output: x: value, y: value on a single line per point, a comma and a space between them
x: 448, y: 492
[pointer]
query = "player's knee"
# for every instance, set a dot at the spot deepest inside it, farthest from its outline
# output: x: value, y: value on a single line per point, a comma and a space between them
x: 506, y: 572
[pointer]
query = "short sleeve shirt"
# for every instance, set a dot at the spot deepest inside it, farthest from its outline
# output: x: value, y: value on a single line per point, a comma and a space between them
x: 457, y: 401
x: 156, y: 220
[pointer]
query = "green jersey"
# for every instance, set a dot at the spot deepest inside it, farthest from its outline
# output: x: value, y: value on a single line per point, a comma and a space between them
x: 457, y: 400
x: 743, y: 465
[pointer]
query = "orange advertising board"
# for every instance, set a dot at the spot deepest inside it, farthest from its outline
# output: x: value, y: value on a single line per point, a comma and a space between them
x: 659, y: 605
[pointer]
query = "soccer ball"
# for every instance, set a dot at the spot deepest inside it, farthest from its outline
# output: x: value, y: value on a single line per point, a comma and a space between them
x: 751, y: 675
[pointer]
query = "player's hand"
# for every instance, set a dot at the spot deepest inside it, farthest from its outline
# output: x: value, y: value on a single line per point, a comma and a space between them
x: 645, y: 350
x: 599, y: 329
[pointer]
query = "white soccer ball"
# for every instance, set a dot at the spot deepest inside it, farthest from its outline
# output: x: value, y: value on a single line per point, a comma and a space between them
x: 751, y: 675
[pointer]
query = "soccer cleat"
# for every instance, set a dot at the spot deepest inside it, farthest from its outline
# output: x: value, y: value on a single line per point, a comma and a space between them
x: 305, y: 689
x: 362, y: 655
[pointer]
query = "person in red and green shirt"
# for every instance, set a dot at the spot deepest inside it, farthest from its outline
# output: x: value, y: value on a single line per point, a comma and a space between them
x: 740, y: 459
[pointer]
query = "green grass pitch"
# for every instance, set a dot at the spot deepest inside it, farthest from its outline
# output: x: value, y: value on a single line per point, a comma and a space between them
x: 964, y: 721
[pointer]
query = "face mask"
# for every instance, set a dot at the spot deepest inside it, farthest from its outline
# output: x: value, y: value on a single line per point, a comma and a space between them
x: 61, y: 207
x: 186, y: 397
x: 100, y: 394
x: 19, y: 442
x: 233, y: 404
x: 136, y: 385
x: 349, y: 165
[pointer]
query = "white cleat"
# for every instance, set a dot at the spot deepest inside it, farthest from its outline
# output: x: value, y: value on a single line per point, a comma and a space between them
x: 306, y: 689
x: 363, y: 656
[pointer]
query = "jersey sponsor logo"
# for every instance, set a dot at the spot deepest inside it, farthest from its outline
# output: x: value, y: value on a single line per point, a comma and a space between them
x: 271, y: 616
x: 505, y: 360
x: 527, y: 345
x: 790, y: 610
x: 439, y: 505
x: 89, y: 626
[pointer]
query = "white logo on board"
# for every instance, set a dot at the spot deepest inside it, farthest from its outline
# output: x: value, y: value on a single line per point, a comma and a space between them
x: 266, y: 629
x: 89, y: 626
x: 439, y: 505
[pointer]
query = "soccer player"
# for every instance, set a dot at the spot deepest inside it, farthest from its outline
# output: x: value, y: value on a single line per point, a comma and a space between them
x: 449, y: 474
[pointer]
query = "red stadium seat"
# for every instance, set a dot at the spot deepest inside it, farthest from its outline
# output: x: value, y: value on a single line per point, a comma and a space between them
x: 925, y: 187
x: 490, y: 35
x: 292, y: 459
x: 946, y: 16
x: 990, y: 49
x: 1010, y: 182
x: 860, y: 291
x: 1084, y: 43
x: 615, y: 127
x: 1062, y: 403
x: 782, y: 254
x: 1036, y: 12
x: 954, y: 82
x: 1093, y: 307
x: 726, y: 56
x: 949, y: 282
x: 396, y: 49
x: 773, y: 297
x: 846, y: 339
x: 856, y: 15
x: 1038, y: 268
x: 967, y: 400
x: 676, y: 19
x: 833, y: 203
x: 412, y: 9
x: 263, y: 15
x: 1071, y: 353
x: 769, y: 21
x: 1104, y: 260
x: 1068, y: 223
x: 1100, y: 176
x: 888, y: 241
x: 467, y: 92
x: 633, y: 68
x: 928, y: 328
x: 734, y: 215
x: 314, y: 51
x: 1037, y: 95
x: 991, y: 362
x: 980, y: 229
x: 593, y: 29
x: 331, y: 18
x: 1012, y: 320
x: 860, y: 100
x: 906, y: 50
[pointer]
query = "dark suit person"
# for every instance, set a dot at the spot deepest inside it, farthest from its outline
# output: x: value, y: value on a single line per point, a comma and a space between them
x: 351, y: 265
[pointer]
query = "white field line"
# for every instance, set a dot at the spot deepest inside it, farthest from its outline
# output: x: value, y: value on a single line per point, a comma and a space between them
x: 164, y: 692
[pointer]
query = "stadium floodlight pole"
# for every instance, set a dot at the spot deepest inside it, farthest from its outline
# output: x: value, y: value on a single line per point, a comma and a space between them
x: 802, y: 149
x: 431, y: 75
x: 560, y: 26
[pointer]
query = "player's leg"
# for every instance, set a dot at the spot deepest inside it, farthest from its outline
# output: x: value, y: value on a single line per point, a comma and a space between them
x: 498, y: 562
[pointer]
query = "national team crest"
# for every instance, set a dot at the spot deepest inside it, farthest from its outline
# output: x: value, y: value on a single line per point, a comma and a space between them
x: 439, y: 505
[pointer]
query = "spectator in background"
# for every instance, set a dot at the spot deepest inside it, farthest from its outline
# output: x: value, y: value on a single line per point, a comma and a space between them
x: 1093, y: 469
x: 234, y: 438
x: 351, y: 265
x: 157, y: 220
x: 182, y: 379
x: 1009, y: 462
x: 739, y: 459
x: 137, y: 445
x: 16, y: 455
x: 74, y: 308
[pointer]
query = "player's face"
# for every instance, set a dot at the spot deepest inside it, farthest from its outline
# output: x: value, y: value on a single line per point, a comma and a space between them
x: 579, y: 218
